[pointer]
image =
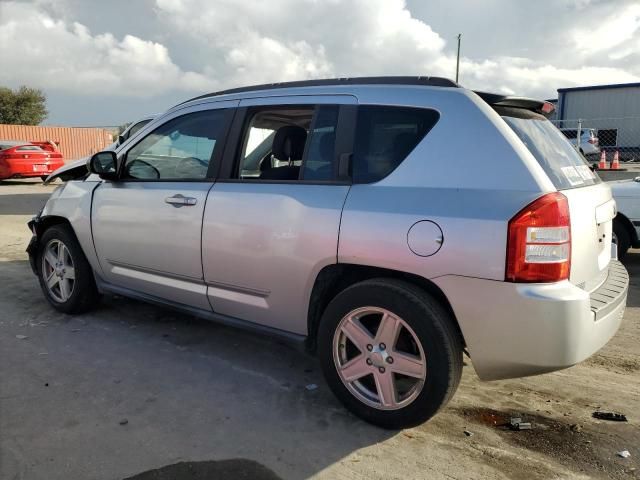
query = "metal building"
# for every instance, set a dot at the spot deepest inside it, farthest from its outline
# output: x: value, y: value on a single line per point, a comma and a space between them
x: 612, y: 110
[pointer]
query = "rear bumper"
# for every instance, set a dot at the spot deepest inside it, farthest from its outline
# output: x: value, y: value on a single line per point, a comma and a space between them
x: 515, y: 330
x: 21, y: 169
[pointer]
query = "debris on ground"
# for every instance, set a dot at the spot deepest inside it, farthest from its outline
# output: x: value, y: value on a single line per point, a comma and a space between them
x: 612, y: 416
x: 516, y: 423
x: 624, y: 454
x: 124, y: 421
x: 468, y: 433
x: 21, y: 337
x: 575, y: 428
x: 311, y: 386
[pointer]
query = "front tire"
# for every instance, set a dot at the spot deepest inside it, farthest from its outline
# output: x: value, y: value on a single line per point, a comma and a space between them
x: 65, y: 276
x: 390, y: 352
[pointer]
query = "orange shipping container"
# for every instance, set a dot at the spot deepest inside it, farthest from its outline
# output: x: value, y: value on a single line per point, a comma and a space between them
x: 73, y: 142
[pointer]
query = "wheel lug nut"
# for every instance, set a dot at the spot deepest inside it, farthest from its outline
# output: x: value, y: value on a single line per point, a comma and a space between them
x: 381, y: 369
x: 389, y: 359
x: 369, y: 347
x: 369, y: 362
x: 382, y: 346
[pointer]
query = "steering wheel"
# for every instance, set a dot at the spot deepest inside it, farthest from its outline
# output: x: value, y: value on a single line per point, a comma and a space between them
x: 142, y: 170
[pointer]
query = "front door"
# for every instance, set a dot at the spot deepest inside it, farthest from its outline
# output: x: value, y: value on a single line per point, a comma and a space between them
x: 147, y: 226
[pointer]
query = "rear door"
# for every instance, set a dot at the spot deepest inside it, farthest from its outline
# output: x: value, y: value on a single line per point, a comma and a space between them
x: 147, y: 226
x: 591, y: 205
x: 272, y: 224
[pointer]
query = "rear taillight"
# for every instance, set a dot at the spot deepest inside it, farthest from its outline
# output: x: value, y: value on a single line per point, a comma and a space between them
x: 539, y: 241
x: 593, y: 141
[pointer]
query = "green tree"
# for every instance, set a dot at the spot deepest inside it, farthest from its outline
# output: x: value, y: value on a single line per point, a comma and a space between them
x: 22, y: 106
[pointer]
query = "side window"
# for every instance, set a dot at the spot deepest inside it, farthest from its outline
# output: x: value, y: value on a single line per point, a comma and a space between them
x: 289, y: 143
x: 136, y: 128
x: 384, y: 138
x: 180, y: 149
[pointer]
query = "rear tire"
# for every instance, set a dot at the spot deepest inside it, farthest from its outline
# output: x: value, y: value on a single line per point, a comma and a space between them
x: 424, y: 334
x: 623, y: 239
x: 65, y: 276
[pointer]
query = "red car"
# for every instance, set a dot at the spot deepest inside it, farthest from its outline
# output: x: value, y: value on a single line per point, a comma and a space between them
x: 20, y: 159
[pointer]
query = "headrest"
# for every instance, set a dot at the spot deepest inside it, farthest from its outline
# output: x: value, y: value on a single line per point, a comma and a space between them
x: 288, y: 142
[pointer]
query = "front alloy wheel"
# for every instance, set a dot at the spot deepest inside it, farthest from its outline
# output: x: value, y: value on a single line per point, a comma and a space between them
x: 58, y: 270
x: 65, y: 276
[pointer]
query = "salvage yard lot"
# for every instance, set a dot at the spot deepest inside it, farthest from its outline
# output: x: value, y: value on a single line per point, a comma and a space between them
x: 131, y: 387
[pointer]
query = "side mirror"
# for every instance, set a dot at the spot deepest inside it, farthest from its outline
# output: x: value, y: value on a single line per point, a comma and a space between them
x: 105, y: 165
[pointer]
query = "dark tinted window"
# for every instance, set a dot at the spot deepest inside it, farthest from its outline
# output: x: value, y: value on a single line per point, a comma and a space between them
x: 570, y: 133
x: 321, y: 149
x: 384, y: 138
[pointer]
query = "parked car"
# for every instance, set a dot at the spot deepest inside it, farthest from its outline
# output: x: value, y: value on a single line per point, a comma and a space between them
x: 346, y: 214
x: 626, y: 224
x: 589, y: 146
x: 78, y: 168
x: 22, y: 159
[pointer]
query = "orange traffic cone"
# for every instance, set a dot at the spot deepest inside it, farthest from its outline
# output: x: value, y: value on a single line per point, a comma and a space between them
x: 615, y: 165
x: 603, y: 161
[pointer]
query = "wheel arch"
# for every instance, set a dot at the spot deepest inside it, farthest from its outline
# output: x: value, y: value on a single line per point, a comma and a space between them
x: 334, y: 278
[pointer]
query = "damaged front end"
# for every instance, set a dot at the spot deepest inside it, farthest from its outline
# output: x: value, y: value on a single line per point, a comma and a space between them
x: 76, y: 170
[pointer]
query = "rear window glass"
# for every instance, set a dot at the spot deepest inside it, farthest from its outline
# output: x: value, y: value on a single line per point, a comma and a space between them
x: 384, y: 138
x: 565, y: 167
x: 28, y: 148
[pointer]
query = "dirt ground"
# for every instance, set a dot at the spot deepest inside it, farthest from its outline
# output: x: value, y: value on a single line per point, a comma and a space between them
x: 134, y: 391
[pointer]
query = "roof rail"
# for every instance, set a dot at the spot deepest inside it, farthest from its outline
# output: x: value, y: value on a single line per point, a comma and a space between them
x: 391, y: 80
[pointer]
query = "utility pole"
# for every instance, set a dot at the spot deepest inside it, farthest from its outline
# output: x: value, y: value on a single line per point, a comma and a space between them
x: 458, y: 58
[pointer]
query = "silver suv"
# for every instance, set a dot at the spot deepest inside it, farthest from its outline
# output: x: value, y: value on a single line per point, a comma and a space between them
x: 352, y: 215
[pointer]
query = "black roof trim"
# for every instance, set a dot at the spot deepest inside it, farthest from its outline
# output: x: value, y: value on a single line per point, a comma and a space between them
x: 498, y: 100
x: 392, y: 80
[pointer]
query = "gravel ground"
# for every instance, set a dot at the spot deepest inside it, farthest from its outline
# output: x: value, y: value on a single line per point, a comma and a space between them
x: 134, y: 391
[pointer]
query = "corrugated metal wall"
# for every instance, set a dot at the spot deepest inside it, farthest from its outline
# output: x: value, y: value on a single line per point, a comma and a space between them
x: 73, y: 142
x: 615, y: 108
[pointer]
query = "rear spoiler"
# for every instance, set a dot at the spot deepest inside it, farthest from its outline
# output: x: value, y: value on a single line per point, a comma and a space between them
x: 497, y: 100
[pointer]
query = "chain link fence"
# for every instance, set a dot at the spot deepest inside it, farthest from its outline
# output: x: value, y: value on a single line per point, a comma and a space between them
x: 592, y: 136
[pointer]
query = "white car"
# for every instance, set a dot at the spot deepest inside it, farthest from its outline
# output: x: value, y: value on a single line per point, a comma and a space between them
x: 626, y: 224
x: 589, y: 146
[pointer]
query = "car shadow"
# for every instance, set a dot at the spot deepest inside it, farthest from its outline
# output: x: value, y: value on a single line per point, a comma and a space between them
x: 632, y: 263
x: 22, y: 203
x: 152, y: 393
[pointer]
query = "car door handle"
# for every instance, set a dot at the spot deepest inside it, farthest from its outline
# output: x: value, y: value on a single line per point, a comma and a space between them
x: 179, y: 200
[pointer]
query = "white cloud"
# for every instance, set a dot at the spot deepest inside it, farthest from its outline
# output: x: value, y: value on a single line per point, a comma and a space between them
x: 201, y: 45
x: 60, y: 56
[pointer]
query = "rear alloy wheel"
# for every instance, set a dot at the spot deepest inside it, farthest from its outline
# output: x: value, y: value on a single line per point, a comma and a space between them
x: 386, y: 370
x: 390, y: 352
x: 65, y: 276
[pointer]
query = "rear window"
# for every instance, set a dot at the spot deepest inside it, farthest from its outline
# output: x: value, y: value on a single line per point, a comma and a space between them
x: 28, y: 148
x: 384, y: 138
x: 565, y: 167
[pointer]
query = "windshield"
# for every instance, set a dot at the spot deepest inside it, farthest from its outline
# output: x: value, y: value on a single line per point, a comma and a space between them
x: 565, y: 167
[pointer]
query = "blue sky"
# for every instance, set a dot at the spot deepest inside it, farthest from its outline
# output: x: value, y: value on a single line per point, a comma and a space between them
x: 106, y: 63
